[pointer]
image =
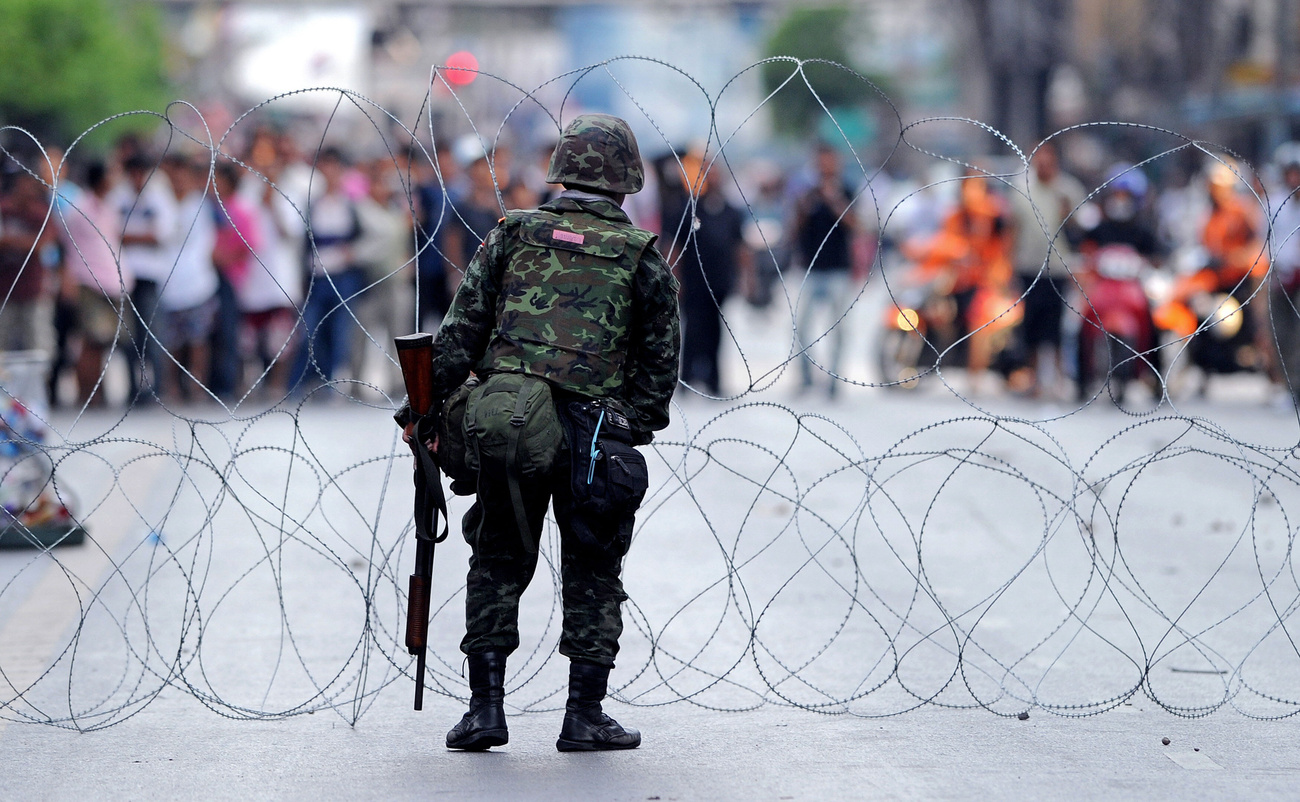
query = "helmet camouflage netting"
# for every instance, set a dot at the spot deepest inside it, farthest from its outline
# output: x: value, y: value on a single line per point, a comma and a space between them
x: 597, y: 151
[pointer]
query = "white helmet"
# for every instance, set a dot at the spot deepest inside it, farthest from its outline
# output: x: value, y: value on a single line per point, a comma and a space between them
x: 1287, y: 155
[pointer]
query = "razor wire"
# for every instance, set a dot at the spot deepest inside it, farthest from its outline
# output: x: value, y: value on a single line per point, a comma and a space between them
x: 976, y: 550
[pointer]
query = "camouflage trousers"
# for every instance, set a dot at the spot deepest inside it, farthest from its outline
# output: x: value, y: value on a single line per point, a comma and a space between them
x: 501, y: 566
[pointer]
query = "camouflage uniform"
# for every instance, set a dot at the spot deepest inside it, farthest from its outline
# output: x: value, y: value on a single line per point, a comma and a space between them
x: 574, y: 294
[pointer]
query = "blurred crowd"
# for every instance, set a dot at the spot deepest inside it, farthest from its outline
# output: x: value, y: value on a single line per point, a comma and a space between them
x: 284, y: 269
x: 1065, y: 286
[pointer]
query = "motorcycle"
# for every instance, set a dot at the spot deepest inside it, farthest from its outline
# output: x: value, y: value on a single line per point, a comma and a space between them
x: 922, y: 330
x: 1210, y: 315
x: 1116, y: 333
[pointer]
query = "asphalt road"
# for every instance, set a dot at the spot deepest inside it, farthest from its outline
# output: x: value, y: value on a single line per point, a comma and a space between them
x: 858, y: 598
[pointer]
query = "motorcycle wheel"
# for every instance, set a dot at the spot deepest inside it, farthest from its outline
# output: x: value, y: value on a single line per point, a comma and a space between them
x: 1120, y: 357
x: 898, y: 359
x: 1105, y: 362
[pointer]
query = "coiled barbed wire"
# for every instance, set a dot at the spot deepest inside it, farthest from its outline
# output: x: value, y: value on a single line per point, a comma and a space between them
x: 975, y: 551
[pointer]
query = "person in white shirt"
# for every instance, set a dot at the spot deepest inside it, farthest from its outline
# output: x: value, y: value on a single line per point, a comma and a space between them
x: 1043, y: 208
x: 335, y: 279
x: 272, y: 291
x: 385, y: 250
x: 148, y: 207
x: 187, y: 297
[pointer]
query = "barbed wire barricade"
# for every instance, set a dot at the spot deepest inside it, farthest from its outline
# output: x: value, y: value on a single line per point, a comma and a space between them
x: 951, y: 525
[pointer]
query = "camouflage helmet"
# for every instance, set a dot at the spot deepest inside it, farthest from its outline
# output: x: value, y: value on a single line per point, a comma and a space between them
x: 598, y: 152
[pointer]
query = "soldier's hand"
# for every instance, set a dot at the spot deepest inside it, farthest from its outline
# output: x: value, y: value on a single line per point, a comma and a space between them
x: 409, y: 431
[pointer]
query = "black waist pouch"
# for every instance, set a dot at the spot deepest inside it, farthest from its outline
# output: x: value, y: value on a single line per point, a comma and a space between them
x: 609, y: 476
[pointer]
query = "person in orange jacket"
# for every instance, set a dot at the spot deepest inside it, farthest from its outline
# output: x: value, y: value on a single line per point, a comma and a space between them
x: 971, y: 255
x: 1233, y: 235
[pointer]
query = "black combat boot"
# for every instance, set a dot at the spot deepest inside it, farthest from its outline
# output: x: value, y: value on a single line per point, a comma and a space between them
x: 586, y: 727
x: 484, y: 725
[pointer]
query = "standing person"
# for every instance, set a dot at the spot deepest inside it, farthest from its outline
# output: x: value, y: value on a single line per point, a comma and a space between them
x: 335, y: 278
x: 187, y: 297
x: 272, y: 291
x: 93, y: 277
x: 26, y: 306
x: 1234, y: 236
x: 970, y: 255
x: 479, y: 208
x: 239, y: 237
x: 435, y: 216
x: 384, y: 252
x: 52, y: 168
x: 713, y: 255
x: 1043, y: 210
x: 148, y: 206
x: 575, y: 297
x: 822, y: 239
x: 1284, y: 278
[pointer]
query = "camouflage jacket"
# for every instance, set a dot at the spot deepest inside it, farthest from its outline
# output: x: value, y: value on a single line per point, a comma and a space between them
x: 575, y: 294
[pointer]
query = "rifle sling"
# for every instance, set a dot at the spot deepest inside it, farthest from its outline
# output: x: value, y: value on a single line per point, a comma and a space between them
x: 428, y: 485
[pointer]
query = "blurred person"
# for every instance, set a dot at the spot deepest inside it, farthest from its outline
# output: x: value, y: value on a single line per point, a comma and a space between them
x: 384, y: 252
x: 434, y: 214
x: 764, y: 234
x: 821, y: 235
x: 533, y: 175
x: 26, y: 294
x: 707, y: 266
x: 129, y: 146
x: 272, y: 290
x: 1232, y: 235
x: 673, y: 200
x: 1181, y: 207
x: 93, y: 277
x: 1043, y: 212
x: 239, y: 238
x: 970, y: 257
x: 187, y: 297
x: 297, y: 175
x: 145, y: 200
x: 516, y: 191
x: 52, y: 169
x: 643, y: 208
x: 1123, y: 197
x: 1123, y: 223
x: 334, y: 276
x: 1284, y: 278
x: 479, y: 208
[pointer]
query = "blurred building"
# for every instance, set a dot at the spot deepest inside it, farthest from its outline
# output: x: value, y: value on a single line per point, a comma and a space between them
x: 1224, y: 70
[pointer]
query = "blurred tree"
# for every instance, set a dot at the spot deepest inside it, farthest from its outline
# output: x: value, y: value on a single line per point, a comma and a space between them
x: 70, y: 63
x: 814, y: 34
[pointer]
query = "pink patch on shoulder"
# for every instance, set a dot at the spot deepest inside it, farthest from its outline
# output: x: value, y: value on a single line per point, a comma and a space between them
x: 568, y: 236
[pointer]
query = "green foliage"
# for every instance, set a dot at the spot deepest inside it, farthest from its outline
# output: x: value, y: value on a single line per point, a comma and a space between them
x: 67, y: 64
x: 822, y: 34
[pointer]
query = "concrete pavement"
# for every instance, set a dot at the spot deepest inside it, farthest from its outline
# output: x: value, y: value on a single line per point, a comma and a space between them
x: 917, y: 570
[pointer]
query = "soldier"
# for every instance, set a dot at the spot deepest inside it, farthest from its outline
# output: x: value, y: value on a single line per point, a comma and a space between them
x: 572, y: 294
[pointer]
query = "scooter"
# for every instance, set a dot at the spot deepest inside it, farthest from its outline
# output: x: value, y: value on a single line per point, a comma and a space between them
x: 1116, y: 335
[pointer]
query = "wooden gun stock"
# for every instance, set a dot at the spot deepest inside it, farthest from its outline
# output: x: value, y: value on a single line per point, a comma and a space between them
x: 415, y: 354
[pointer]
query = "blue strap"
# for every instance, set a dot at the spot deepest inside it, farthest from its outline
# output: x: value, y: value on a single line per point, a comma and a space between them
x: 593, y: 452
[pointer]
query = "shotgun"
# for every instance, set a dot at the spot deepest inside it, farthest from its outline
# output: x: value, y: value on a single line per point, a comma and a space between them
x: 415, y: 355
